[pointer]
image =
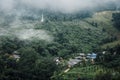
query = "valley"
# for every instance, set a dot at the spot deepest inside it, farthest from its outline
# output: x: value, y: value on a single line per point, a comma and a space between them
x: 51, y: 45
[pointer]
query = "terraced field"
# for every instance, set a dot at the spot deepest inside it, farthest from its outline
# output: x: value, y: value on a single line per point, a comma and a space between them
x: 83, y: 72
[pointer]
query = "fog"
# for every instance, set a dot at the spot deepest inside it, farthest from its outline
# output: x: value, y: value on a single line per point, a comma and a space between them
x: 54, y: 5
x: 14, y: 26
x: 30, y: 34
x: 23, y: 30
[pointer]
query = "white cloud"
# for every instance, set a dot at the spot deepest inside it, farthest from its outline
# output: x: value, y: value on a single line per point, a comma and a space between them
x: 30, y: 34
x: 58, y: 5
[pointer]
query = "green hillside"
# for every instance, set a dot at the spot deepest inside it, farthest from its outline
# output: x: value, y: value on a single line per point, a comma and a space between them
x: 104, y: 20
x: 88, y: 72
x: 37, y: 43
x: 85, y: 34
x: 74, y: 33
x: 59, y: 39
x: 111, y: 44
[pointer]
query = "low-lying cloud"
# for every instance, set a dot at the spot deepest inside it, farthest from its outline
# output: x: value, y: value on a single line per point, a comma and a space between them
x: 55, y: 5
x: 30, y: 34
x: 13, y: 10
x: 27, y: 34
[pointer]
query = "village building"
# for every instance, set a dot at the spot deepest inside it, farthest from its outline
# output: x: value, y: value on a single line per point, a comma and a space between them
x: 57, y: 60
x: 73, y: 62
x: 15, y: 55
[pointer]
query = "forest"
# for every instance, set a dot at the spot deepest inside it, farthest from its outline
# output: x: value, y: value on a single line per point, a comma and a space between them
x: 38, y: 43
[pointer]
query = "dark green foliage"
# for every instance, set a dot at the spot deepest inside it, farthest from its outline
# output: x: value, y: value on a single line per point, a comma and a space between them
x: 30, y: 66
x: 111, y: 59
x: 10, y: 44
x: 109, y: 39
x: 116, y: 20
x: 103, y: 76
x: 8, y: 67
x: 52, y: 16
x: 73, y: 37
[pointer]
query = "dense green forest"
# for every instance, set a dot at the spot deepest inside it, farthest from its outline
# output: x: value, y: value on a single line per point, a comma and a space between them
x: 116, y: 20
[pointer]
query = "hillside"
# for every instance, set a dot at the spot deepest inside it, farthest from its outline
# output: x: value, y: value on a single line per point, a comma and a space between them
x: 59, y: 39
x: 28, y: 46
x: 86, y: 33
x: 104, y: 20
x: 88, y: 72
x: 72, y: 34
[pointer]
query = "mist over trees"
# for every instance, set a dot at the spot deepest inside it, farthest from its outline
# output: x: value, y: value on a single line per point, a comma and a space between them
x: 29, y: 47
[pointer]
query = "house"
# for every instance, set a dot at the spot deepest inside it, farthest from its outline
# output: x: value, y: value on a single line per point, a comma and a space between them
x: 73, y: 62
x: 88, y: 56
x: 93, y: 56
x: 103, y: 52
x: 57, y: 60
x: 16, y: 55
x: 79, y: 57
x: 82, y: 54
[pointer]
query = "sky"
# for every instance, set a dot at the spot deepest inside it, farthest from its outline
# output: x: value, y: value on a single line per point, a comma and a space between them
x: 55, y: 5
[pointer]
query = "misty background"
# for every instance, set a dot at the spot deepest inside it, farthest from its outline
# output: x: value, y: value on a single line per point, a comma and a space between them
x: 11, y: 12
x: 54, y: 5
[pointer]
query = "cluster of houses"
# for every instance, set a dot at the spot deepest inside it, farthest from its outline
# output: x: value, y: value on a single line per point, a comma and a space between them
x: 82, y: 57
x: 78, y: 59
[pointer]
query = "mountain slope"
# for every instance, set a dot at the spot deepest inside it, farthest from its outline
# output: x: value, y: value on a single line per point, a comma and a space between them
x: 82, y: 34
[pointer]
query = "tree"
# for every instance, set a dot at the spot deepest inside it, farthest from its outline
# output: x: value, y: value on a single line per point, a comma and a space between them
x: 10, y: 44
x: 111, y: 59
x: 116, y: 20
x: 34, y: 67
x: 103, y: 76
x: 45, y: 68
